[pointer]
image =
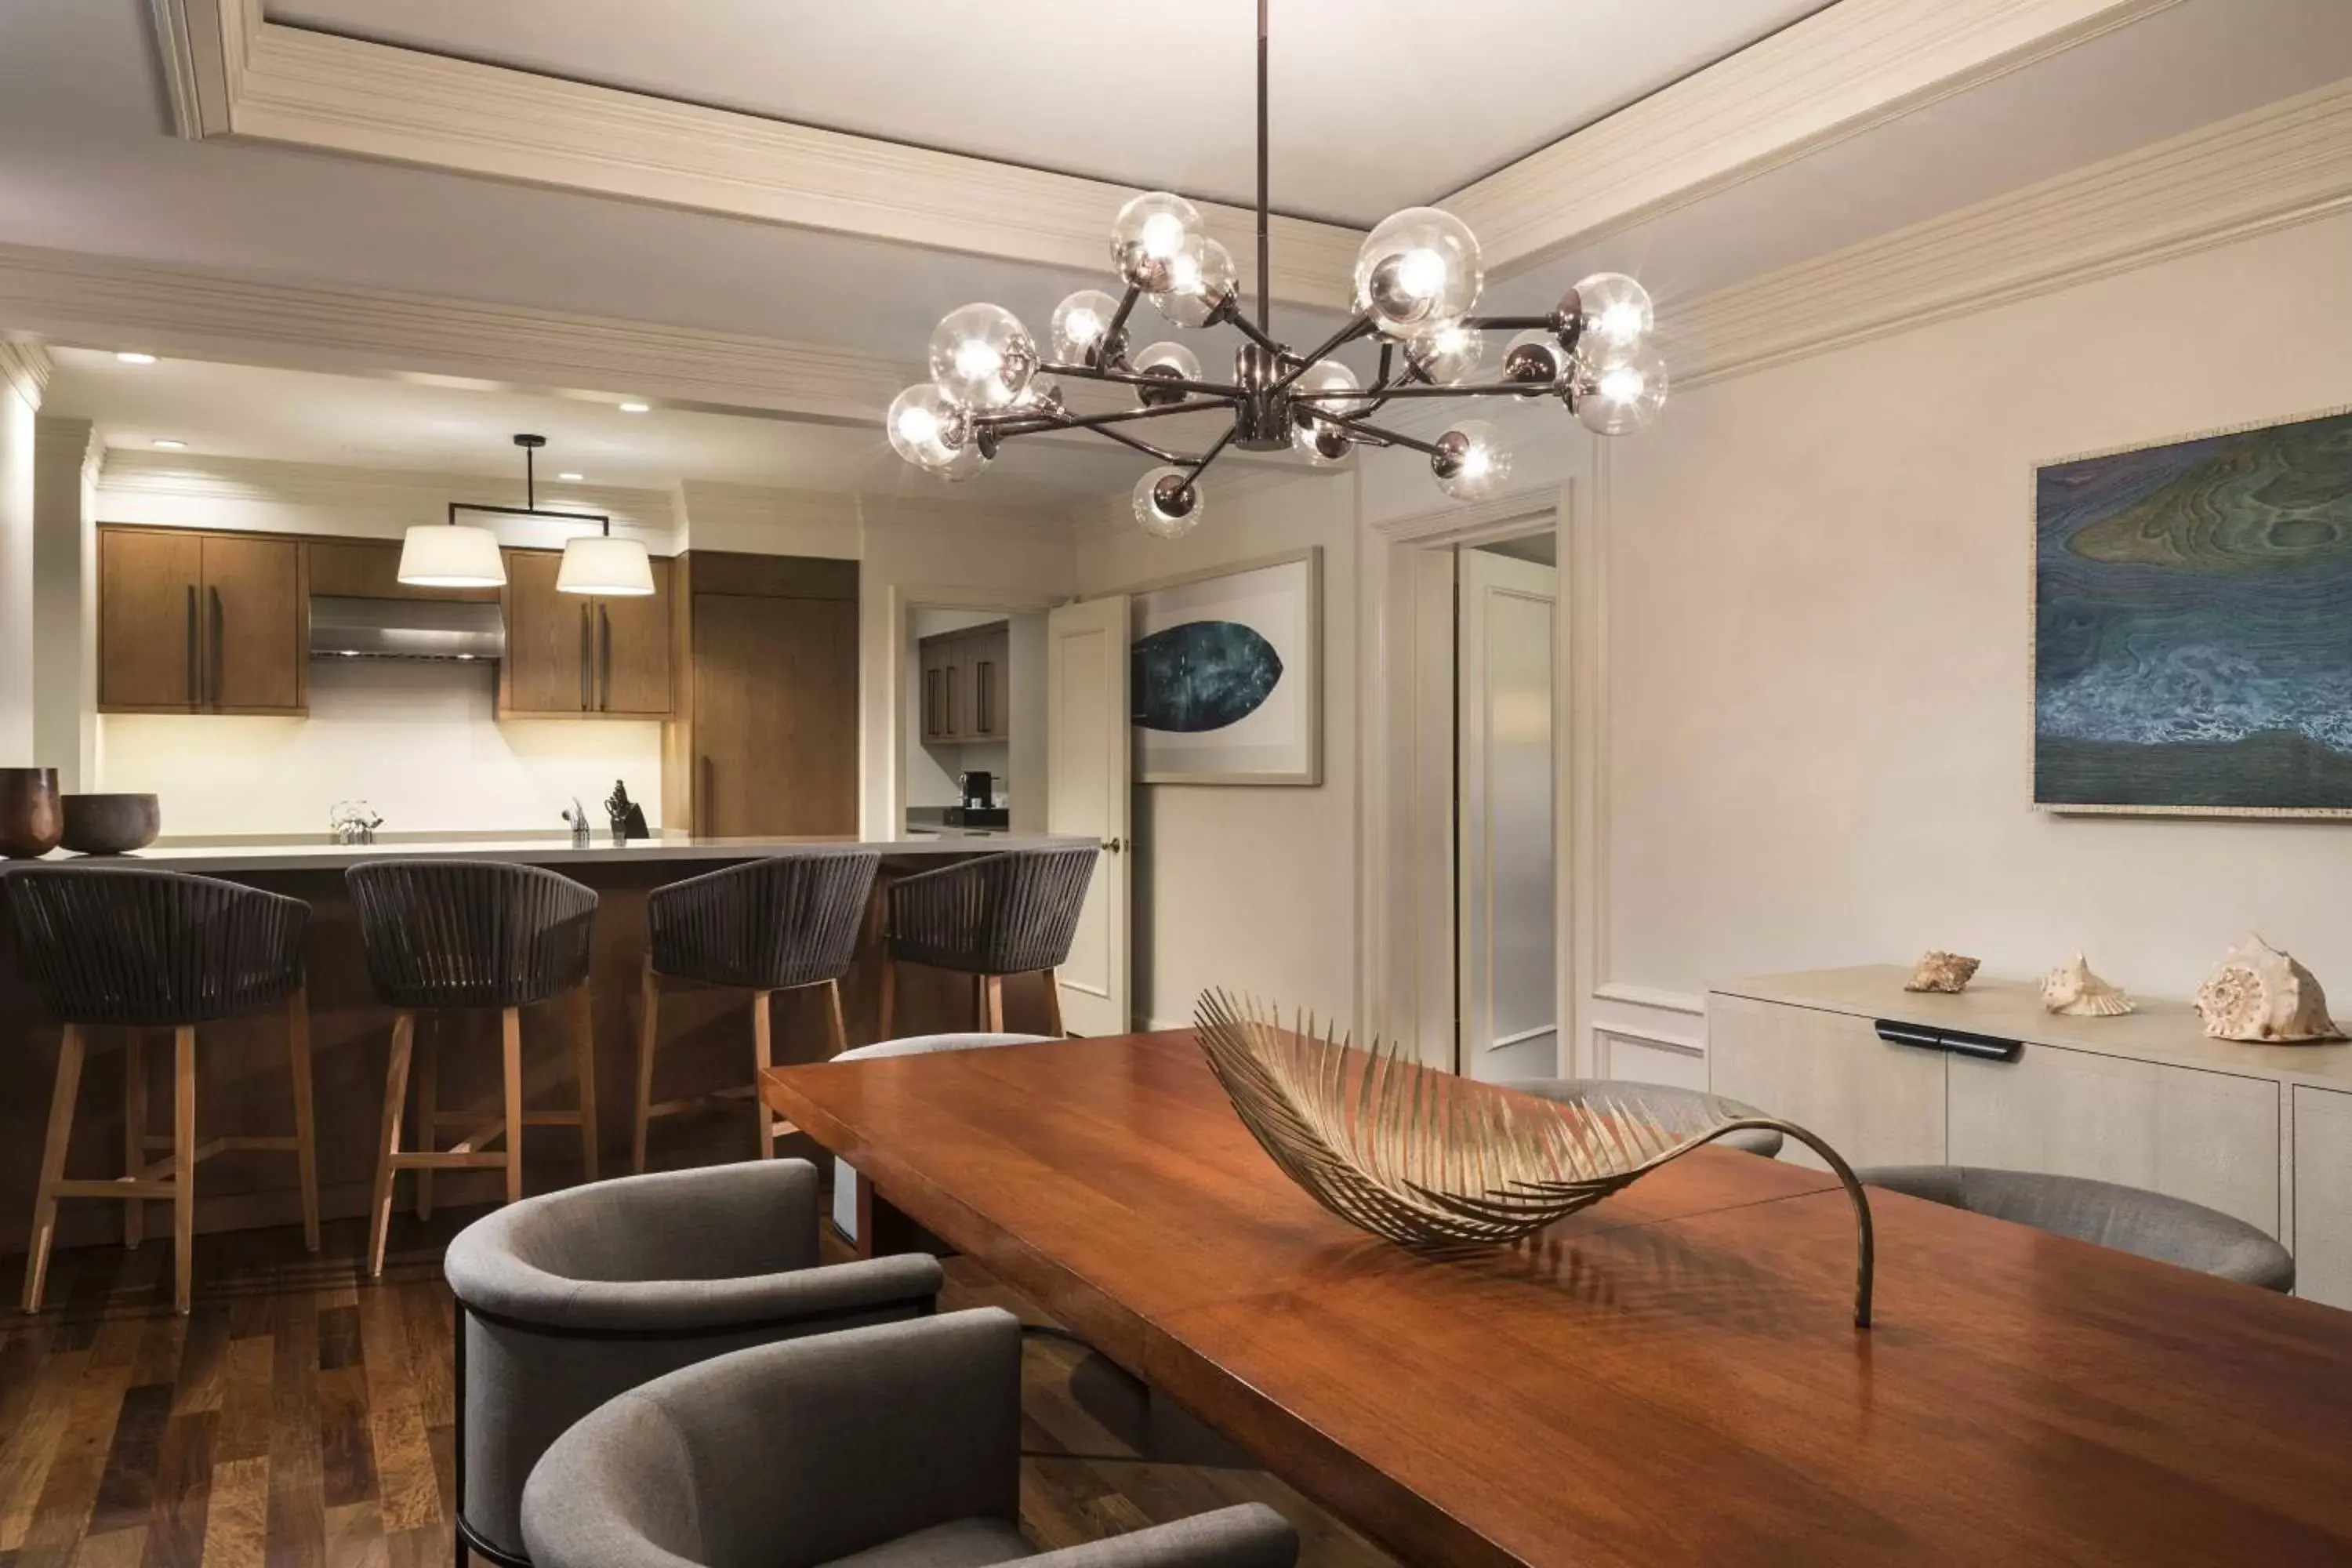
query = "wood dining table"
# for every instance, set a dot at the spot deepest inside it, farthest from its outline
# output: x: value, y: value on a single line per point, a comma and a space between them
x: 1670, y: 1377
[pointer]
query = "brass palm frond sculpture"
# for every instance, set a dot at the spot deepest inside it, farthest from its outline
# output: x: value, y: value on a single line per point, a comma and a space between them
x: 1429, y: 1159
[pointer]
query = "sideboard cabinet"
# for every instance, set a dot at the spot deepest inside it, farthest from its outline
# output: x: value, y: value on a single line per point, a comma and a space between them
x: 1987, y: 1077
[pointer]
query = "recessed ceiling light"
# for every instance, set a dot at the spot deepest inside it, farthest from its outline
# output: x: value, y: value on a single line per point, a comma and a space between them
x: 636, y: 408
x: 569, y: 479
x: 169, y: 445
x: 132, y: 356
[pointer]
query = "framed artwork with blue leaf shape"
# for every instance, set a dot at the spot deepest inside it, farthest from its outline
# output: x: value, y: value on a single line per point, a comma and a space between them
x: 1226, y: 684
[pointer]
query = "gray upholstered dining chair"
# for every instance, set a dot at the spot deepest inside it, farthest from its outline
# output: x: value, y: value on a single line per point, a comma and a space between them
x: 848, y: 1212
x: 897, y: 1447
x: 1667, y: 1100
x: 2150, y: 1224
x: 566, y: 1300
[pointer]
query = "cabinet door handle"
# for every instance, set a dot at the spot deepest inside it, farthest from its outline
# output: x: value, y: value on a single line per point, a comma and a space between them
x: 980, y: 698
x: 948, y: 676
x: 587, y: 658
x: 192, y: 646
x: 603, y: 657
x: 219, y: 659
x: 703, y: 825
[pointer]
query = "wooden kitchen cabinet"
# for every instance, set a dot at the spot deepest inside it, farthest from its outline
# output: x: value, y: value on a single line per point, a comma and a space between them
x: 370, y: 568
x: 201, y: 623
x: 964, y: 688
x: 765, y: 738
x: 576, y: 655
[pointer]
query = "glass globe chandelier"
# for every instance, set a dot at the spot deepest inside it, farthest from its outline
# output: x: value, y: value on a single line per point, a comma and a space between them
x: 1417, y: 279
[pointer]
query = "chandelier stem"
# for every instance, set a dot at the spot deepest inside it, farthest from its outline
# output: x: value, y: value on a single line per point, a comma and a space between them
x: 1265, y: 243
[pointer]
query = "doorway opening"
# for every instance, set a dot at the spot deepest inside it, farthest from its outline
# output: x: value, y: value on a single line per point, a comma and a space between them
x: 972, y: 710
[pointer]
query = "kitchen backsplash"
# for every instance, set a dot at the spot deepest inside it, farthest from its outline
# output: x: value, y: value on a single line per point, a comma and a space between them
x: 421, y: 742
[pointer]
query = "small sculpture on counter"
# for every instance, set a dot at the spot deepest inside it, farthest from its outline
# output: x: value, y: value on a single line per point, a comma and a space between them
x: 578, y: 819
x: 352, y: 822
x: 628, y: 818
x: 2257, y: 992
x: 1941, y: 971
x: 2073, y: 989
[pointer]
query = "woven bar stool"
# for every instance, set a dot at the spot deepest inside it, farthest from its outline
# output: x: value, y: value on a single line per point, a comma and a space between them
x: 1002, y: 914
x: 128, y: 947
x: 781, y: 923
x: 444, y: 935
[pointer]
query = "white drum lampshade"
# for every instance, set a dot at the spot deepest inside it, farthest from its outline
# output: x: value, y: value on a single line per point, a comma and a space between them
x: 599, y: 564
x: 449, y: 555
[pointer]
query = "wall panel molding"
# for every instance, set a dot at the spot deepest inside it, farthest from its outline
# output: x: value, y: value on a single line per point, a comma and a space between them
x: 1838, y: 72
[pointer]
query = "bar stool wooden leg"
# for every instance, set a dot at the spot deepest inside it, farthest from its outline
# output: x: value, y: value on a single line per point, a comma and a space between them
x: 134, y: 1130
x: 889, y: 990
x: 184, y: 1170
x: 840, y: 1029
x: 511, y: 1030
x: 1052, y: 1005
x: 648, y: 1012
x: 583, y: 1055
x: 991, y: 1003
x: 53, y: 1165
x: 759, y: 1062
x: 427, y: 1136
x: 395, y: 1091
x: 306, y: 1128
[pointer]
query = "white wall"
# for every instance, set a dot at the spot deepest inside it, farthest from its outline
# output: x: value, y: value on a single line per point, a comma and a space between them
x: 1807, y: 662
x: 1250, y: 888
x: 19, y: 403
x: 65, y: 599
x: 420, y: 741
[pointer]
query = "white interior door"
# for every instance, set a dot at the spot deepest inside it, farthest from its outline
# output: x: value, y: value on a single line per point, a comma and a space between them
x: 1089, y: 771
x: 1507, y: 657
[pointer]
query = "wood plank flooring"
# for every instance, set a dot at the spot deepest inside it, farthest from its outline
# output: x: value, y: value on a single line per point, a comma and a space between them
x: 301, y: 1418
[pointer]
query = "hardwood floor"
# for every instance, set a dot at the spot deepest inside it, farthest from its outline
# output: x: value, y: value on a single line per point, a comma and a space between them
x: 298, y: 1416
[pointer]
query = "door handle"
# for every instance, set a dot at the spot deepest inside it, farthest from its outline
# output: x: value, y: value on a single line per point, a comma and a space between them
x: 603, y: 657
x: 1113, y: 846
x: 191, y: 670
x: 219, y: 660
x: 587, y: 658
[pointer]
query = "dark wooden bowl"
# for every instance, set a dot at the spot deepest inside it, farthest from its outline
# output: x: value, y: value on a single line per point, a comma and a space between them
x: 30, y: 819
x: 111, y: 824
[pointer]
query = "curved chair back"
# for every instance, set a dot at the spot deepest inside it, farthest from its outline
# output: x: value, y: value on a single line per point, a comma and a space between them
x: 2150, y: 1224
x: 153, y: 949
x: 1001, y: 914
x: 471, y: 934
x: 1670, y: 1103
x: 768, y: 925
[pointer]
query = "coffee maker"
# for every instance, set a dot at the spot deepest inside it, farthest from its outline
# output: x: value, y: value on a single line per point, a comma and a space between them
x: 979, y: 808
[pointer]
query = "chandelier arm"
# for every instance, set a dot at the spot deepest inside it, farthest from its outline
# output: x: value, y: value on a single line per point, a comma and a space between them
x: 1495, y: 389
x: 1145, y: 448
x: 1029, y: 426
x: 1364, y: 432
x: 1114, y: 334
x: 1507, y: 323
x: 1356, y: 327
x: 1205, y: 458
x: 1217, y: 389
x: 1251, y: 331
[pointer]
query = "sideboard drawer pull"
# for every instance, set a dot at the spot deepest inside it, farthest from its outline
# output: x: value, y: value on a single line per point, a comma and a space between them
x: 1959, y: 1042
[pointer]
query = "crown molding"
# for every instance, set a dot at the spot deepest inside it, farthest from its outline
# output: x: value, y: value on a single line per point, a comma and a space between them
x: 1464, y: 520
x: 25, y: 369
x: 247, y: 318
x: 1838, y: 72
x: 333, y: 94
x: 2285, y: 164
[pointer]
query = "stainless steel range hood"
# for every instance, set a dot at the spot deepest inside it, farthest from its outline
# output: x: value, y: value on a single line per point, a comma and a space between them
x: 405, y: 628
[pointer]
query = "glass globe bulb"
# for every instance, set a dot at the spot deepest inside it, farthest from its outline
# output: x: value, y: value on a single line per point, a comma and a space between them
x: 1323, y: 444
x: 1042, y: 395
x: 1150, y: 232
x: 1615, y: 316
x: 1534, y: 359
x: 1418, y: 268
x: 1473, y: 461
x: 1330, y: 376
x: 1625, y: 397
x: 1080, y: 323
x: 1200, y: 281
x: 1446, y: 353
x: 927, y: 426
x: 1169, y: 361
x: 983, y: 356
x: 1167, y: 503
x: 966, y: 461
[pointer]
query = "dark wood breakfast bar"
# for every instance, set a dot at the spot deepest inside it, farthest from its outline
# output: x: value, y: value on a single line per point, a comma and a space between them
x: 241, y: 1063
x: 1671, y: 1376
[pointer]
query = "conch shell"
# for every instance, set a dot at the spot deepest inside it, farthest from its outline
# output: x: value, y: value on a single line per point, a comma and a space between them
x: 2074, y: 990
x: 1941, y: 971
x: 2257, y: 992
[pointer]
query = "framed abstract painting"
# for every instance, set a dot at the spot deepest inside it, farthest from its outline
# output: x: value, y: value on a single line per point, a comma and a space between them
x: 2192, y: 614
x: 1226, y: 682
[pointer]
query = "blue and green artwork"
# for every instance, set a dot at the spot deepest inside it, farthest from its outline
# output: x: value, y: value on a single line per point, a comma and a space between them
x: 2193, y: 624
x: 1202, y: 676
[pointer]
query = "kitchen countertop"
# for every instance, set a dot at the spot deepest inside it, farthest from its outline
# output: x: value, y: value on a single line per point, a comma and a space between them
x: 315, y: 853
